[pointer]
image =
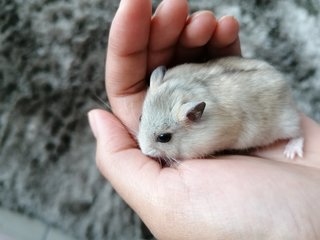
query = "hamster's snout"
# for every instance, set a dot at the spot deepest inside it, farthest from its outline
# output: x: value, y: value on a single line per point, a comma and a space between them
x: 151, y: 152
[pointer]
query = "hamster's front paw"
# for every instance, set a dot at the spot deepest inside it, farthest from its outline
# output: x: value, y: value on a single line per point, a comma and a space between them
x: 294, y: 147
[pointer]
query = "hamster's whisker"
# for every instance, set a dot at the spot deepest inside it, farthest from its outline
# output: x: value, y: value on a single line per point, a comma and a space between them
x: 176, y: 162
x: 167, y: 161
x: 182, y: 165
x: 104, y: 103
x: 159, y: 160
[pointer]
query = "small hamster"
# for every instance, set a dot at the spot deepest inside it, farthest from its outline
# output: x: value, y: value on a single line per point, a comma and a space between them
x: 232, y: 103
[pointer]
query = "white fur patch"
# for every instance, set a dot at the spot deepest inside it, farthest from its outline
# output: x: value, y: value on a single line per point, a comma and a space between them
x: 294, y: 148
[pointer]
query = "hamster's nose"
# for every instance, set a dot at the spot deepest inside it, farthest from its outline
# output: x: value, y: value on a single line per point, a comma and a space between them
x: 150, y: 152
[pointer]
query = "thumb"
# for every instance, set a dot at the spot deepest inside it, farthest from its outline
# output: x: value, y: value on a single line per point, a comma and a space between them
x: 118, y: 158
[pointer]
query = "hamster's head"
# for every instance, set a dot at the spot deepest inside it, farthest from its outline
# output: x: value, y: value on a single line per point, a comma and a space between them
x: 168, y: 121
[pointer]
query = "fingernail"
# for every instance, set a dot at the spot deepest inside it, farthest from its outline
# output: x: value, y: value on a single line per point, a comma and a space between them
x: 224, y: 17
x: 159, y: 7
x: 92, y: 123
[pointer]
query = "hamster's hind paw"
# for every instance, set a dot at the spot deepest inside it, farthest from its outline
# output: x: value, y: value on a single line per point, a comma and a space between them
x: 294, y: 147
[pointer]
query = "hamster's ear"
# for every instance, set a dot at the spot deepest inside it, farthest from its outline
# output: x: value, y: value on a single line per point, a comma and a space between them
x: 157, y: 76
x: 191, y: 111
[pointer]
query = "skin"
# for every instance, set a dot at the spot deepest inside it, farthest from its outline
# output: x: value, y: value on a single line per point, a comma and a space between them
x: 262, y: 196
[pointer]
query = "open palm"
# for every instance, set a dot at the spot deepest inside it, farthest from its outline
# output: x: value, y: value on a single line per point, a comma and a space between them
x: 232, y: 197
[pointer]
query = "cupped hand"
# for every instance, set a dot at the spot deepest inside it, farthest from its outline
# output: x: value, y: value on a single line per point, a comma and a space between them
x: 231, y: 197
x: 262, y: 196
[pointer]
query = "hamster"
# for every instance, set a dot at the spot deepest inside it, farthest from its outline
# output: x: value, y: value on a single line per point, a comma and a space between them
x: 232, y: 103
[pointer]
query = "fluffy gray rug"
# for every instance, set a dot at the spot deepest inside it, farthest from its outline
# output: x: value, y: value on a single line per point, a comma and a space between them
x: 51, y: 68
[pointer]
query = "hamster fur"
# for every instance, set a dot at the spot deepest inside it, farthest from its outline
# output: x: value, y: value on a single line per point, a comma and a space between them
x: 194, y: 110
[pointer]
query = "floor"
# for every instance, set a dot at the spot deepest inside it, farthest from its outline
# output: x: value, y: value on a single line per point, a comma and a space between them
x: 14, y: 226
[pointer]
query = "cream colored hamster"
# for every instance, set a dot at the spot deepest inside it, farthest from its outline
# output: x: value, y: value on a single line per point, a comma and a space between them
x: 194, y: 110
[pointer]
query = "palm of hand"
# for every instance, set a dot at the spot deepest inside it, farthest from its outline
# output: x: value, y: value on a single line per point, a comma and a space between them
x: 228, y: 197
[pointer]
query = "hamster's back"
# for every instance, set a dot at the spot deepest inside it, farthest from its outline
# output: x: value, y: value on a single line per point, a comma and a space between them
x: 231, y: 81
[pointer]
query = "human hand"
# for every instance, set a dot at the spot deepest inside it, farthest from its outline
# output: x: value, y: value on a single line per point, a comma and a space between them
x: 231, y: 197
x: 139, y: 42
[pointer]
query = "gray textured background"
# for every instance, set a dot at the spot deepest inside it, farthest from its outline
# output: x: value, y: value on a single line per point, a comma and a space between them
x: 51, y: 68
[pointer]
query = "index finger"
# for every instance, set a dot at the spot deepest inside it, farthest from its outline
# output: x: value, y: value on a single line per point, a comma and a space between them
x: 127, y: 48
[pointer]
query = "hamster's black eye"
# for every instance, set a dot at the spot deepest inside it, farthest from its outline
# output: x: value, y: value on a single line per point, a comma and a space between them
x: 140, y: 118
x: 164, y: 137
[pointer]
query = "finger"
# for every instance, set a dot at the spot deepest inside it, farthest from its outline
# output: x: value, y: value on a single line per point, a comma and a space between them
x: 225, y: 40
x: 127, y: 48
x: 311, y: 134
x: 166, y: 26
x: 130, y: 172
x: 196, y: 34
x: 199, y: 29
